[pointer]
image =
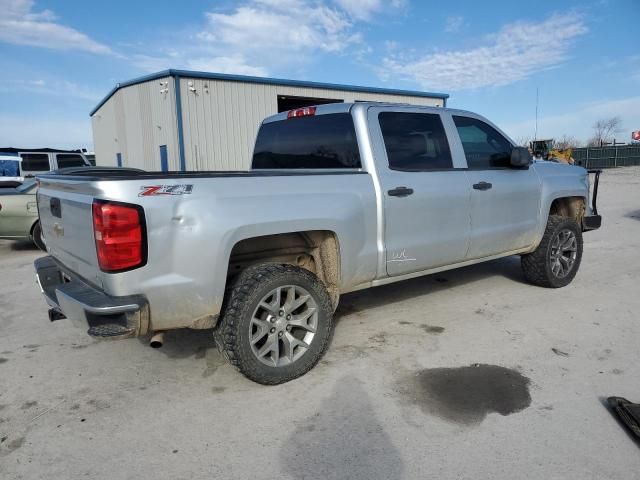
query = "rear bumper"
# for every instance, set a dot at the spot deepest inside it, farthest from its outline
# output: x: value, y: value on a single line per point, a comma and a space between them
x: 87, y: 307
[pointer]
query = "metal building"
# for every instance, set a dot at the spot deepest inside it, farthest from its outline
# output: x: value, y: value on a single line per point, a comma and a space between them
x: 182, y: 120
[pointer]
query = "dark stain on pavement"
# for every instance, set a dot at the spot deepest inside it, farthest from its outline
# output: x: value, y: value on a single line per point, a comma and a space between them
x: 467, y: 394
x: 3, y: 360
x: 432, y: 329
x: 28, y: 405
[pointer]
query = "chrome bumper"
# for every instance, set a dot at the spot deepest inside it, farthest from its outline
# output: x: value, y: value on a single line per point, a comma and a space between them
x: 88, y: 307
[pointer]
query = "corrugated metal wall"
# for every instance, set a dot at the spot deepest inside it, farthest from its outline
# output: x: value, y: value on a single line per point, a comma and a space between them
x: 135, y: 122
x: 221, y: 119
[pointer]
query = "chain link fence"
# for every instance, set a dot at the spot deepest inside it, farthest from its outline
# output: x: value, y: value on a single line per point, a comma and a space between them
x: 607, y: 157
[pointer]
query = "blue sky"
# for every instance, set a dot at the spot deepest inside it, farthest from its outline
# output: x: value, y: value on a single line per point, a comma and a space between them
x: 60, y: 58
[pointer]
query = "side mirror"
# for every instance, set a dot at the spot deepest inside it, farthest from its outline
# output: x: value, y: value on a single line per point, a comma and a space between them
x: 520, y: 157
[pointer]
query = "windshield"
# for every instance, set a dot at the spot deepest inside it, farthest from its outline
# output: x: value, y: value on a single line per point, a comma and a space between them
x: 9, y: 168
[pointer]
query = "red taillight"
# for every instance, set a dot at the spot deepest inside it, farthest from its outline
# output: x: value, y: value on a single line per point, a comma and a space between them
x: 119, y: 236
x: 302, y: 112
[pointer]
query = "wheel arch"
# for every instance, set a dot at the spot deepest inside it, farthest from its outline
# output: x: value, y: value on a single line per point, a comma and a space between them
x: 571, y: 206
x: 33, y: 226
x: 315, y: 250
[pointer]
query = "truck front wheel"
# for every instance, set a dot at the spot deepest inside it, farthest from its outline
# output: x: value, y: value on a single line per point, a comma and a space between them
x: 276, y: 324
x: 555, y: 262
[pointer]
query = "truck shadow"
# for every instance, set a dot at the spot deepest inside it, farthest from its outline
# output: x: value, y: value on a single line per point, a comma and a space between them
x: 185, y: 343
x: 508, y: 267
x: 24, y: 245
x: 343, y: 439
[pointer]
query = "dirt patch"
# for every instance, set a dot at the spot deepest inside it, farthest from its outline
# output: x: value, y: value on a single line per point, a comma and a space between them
x: 3, y: 360
x: 28, y: 405
x: 379, y: 338
x: 432, y: 329
x: 467, y: 394
x: 14, y: 444
x: 559, y: 352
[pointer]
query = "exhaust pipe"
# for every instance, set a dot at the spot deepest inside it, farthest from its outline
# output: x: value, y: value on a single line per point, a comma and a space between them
x: 157, y: 340
x: 56, y: 314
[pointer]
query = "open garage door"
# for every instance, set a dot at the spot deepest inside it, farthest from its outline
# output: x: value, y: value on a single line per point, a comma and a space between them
x: 289, y: 102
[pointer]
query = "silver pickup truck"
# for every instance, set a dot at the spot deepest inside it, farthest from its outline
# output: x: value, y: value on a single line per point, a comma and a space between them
x: 340, y: 197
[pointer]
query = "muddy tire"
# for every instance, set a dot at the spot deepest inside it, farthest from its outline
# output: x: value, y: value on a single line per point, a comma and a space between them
x: 36, y: 236
x: 276, y: 324
x: 555, y: 262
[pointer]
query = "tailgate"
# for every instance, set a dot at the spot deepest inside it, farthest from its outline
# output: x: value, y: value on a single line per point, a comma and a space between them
x: 67, y: 225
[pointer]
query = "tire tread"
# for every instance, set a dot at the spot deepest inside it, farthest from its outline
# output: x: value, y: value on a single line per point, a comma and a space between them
x: 237, y: 300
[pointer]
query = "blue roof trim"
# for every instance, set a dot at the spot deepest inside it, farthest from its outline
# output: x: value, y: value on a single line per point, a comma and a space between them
x: 266, y: 81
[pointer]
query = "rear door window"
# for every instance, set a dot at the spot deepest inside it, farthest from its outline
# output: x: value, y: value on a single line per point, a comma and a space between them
x: 415, y: 142
x: 322, y: 141
x: 484, y: 147
x: 69, y: 160
x: 35, y: 162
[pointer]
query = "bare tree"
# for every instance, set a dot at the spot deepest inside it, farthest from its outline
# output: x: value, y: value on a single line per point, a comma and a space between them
x: 604, y: 129
x: 523, y: 140
x: 566, y: 141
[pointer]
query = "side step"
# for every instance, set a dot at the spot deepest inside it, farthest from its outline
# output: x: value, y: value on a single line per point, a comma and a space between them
x: 110, y: 330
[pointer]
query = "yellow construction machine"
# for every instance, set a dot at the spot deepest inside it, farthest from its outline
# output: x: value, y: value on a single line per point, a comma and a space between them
x: 544, y: 149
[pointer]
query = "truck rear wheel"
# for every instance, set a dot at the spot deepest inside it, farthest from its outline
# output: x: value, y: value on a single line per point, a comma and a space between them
x: 36, y: 235
x: 276, y: 324
x: 555, y: 262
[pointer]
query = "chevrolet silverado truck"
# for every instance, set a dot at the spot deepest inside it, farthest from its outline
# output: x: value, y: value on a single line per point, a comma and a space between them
x: 340, y: 197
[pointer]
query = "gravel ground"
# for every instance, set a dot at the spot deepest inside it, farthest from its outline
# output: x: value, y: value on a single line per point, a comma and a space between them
x: 470, y: 373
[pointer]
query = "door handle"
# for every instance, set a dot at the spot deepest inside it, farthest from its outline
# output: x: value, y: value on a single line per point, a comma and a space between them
x: 482, y: 186
x: 400, y: 192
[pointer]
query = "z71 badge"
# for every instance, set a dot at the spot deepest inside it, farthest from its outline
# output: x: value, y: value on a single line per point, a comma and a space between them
x: 152, y: 190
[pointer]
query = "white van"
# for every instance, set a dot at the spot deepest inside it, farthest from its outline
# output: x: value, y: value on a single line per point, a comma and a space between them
x: 45, y: 160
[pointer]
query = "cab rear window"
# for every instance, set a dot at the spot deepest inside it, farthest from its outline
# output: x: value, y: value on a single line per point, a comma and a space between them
x: 322, y: 141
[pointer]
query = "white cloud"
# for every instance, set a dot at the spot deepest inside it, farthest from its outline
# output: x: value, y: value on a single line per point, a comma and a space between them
x: 259, y: 37
x: 454, y: 24
x: 21, y: 25
x: 580, y: 120
x: 517, y: 51
x: 266, y: 26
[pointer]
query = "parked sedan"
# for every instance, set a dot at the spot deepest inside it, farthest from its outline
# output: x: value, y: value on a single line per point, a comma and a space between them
x: 19, y: 214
